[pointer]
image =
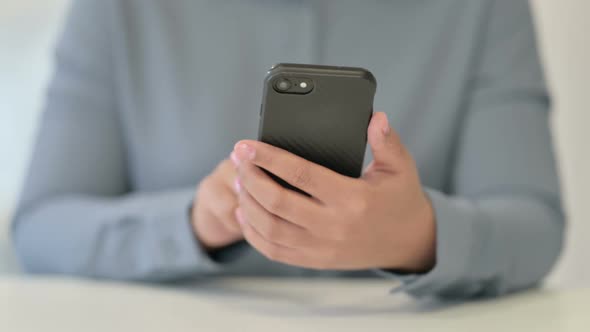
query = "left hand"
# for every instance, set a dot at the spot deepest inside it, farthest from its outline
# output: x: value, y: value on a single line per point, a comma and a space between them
x: 381, y: 220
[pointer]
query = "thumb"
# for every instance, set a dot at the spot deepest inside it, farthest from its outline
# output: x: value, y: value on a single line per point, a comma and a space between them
x: 386, y: 146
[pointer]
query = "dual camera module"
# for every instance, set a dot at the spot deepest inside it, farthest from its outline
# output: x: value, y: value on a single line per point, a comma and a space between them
x: 293, y: 85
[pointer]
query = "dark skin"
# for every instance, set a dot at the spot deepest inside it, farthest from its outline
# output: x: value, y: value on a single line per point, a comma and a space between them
x: 383, y: 219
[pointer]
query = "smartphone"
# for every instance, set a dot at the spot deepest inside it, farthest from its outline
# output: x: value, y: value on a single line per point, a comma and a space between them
x: 320, y: 113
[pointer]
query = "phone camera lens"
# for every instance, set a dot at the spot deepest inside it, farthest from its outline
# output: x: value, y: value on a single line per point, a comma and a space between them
x: 283, y: 84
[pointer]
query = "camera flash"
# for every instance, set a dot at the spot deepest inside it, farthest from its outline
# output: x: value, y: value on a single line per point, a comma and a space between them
x: 303, y: 85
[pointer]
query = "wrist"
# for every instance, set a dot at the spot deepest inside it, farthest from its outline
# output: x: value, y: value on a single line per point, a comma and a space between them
x: 420, y: 248
x: 207, y: 245
x: 201, y: 240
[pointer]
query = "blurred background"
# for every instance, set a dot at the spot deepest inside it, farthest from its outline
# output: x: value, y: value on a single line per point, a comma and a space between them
x: 28, y: 29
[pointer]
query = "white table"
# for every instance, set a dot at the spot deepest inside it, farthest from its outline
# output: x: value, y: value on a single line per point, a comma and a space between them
x: 272, y: 305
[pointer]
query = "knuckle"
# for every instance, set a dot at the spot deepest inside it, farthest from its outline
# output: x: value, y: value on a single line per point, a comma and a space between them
x: 276, y: 201
x: 265, y: 159
x: 359, y: 206
x: 301, y: 176
x: 359, y: 202
x: 271, y: 231
x: 397, y: 149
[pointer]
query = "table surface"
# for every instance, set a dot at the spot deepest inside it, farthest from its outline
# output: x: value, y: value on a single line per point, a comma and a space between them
x: 29, y: 304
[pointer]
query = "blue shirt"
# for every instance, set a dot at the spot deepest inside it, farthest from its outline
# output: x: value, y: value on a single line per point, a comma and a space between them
x: 148, y: 96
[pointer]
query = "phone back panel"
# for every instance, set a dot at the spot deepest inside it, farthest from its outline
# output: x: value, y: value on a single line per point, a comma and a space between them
x: 327, y: 126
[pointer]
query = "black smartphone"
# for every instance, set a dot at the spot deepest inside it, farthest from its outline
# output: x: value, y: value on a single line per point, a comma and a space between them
x: 320, y: 113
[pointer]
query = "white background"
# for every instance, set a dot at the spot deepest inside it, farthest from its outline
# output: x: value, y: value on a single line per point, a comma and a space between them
x: 28, y: 29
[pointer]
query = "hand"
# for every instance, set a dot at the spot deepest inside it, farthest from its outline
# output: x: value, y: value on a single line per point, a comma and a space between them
x: 382, y: 220
x: 213, y: 216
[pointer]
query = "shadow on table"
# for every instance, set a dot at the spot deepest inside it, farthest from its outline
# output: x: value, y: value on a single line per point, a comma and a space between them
x: 348, y: 299
x: 316, y: 298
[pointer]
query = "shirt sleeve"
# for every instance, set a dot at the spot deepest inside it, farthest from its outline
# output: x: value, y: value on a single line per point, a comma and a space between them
x: 77, y: 214
x: 500, y: 226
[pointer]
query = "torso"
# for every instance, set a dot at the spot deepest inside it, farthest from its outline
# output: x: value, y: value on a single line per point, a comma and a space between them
x: 190, y: 73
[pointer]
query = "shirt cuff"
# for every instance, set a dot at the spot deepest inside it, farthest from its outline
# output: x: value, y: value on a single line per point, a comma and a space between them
x: 457, y: 241
x: 196, y: 255
x: 181, y: 254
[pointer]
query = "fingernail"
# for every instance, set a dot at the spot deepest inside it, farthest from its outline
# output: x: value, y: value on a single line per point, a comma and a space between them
x: 237, y: 185
x: 234, y: 159
x: 244, y: 152
x: 240, y: 217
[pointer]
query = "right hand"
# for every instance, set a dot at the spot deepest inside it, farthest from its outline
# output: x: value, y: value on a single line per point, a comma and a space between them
x: 213, y: 215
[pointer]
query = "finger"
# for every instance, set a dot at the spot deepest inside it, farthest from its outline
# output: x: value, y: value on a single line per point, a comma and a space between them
x: 269, y: 226
x: 284, y: 203
x: 220, y: 223
x: 318, y: 181
x: 223, y: 205
x: 389, y: 154
x: 227, y: 221
x: 227, y: 172
x: 274, y: 252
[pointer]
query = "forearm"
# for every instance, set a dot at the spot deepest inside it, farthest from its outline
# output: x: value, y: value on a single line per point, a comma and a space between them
x: 490, y: 245
x: 134, y: 237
